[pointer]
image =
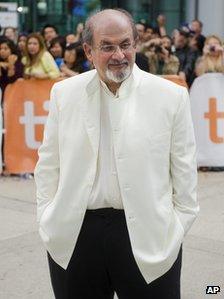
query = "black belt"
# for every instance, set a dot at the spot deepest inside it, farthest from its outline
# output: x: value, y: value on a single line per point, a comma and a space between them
x: 105, y: 212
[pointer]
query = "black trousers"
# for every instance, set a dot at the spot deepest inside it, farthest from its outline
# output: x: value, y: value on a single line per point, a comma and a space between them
x: 102, y: 262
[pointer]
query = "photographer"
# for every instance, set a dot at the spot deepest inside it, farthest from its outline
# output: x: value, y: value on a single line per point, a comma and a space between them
x: 212, y: 60
x: 161, y: 59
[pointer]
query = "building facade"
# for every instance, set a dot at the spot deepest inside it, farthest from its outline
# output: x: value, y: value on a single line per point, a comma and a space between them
x: 211, y: 13
x: 66, y: 14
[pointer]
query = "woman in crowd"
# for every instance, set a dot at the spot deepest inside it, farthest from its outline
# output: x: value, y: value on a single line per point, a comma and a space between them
x: 57, y: 49
x: 74, y: 61
x: 38, y: 62
x: 212, y: 60
x: 21, y: 43
x: 74, y: 37
x: 79, y: 30
x: 10, y: 33
x: 11, y: 67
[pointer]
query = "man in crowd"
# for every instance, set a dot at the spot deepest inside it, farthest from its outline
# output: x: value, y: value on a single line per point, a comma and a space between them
x: 149, y: 30
x: 49, y: 32
x: 141, y: 60
x: 198, y: 38
x: 196, y: 26
x: 187, y: 57
x: 141, y: 31
x: 161, y: 25
x: 116, y: 175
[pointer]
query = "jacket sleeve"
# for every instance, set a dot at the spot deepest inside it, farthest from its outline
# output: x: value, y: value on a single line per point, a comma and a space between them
x: 189, y: 65
x: 47, y: 169
x: 183, y: 164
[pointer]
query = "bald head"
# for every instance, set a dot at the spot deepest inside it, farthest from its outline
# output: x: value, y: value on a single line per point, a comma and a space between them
x: 105, y: 19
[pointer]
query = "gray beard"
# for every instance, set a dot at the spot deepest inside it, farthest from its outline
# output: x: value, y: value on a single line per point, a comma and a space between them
x: 119, y: 77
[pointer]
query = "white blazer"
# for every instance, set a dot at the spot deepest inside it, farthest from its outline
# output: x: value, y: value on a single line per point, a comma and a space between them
x: 155, y: 157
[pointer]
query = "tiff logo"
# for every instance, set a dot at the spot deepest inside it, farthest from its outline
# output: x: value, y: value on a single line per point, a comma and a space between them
x: 30, y: 120
x: 212, y: 289
x: 213, y: 116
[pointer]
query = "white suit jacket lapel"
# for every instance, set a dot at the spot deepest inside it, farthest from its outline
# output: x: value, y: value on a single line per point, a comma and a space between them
x: 91, y: 112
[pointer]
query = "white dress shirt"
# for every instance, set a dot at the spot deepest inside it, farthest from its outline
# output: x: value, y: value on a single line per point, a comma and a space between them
x: 106, y: 190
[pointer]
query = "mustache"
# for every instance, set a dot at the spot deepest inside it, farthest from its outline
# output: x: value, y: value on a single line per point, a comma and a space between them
x: 117, y: 62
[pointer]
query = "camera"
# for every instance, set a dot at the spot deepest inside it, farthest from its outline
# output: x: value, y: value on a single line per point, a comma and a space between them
x: 212, y: 49
x: 158, y: 49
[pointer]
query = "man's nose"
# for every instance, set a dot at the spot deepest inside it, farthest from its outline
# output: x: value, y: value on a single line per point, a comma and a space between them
x: 118, y: 53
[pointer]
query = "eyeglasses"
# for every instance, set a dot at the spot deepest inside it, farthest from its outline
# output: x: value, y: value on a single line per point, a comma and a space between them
x: 111, y: 49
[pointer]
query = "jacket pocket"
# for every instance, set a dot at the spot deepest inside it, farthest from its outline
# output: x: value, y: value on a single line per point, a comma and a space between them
x: 45, y: 211
x: 178, y: 220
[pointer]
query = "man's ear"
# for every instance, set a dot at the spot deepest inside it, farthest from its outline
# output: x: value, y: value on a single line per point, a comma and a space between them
x: 88, y: 51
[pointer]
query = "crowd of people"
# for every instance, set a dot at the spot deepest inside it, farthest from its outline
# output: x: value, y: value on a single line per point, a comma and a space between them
x: 40, y: 55
x: 186, y: 53
x: 47, y: 54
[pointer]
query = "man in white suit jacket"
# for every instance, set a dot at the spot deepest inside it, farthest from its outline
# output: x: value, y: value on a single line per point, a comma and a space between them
x: 116, y: 176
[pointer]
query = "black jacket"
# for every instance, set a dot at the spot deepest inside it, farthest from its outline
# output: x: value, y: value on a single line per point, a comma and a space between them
x: 187, y: 58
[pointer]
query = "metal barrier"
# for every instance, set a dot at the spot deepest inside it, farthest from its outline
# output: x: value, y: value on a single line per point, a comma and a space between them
x: 207, y: 106
x: 25, y: 113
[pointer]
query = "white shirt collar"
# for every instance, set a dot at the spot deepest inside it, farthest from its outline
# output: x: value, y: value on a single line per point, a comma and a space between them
x: 122, y: 90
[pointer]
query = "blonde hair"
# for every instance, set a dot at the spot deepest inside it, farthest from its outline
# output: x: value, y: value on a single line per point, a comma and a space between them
x: 33, y: 59
x: 208, y: 63
x: 209, y: 37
